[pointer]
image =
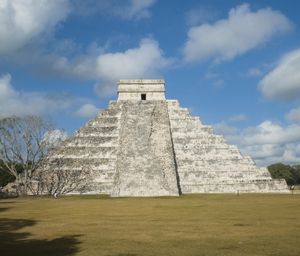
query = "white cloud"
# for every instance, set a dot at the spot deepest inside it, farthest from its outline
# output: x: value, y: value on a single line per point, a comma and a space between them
x: 13, y: 102
x: 283, y: 82
x: 242, y: 31
x: 147, y: 60
x: 23, y: 21
x: 270, y: 133
x: 87, y: 111
x: 266, y: 154
x: 269, y: 143
x: 293, y: 115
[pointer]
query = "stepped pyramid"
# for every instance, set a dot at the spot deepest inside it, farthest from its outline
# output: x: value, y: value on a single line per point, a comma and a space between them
x: 145, y: 145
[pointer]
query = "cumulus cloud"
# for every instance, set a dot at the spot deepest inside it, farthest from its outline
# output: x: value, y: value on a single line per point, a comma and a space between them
x: 144, y: 61
x: 269, y: 142
x: 13, y: 102
x: 283, y: 82
x: 266, y: 154
x: 87, y: 111
x: 23, y: 21
x: 242, y: 31
x: 293, y: 115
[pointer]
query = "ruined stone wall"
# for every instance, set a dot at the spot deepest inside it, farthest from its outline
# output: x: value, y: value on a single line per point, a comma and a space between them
x: 145, y: 159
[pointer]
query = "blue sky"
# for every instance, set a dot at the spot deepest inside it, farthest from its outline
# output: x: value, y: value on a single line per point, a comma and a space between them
x: 235, y: 64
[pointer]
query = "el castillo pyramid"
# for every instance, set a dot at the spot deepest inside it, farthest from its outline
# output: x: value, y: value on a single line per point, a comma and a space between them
x: 145, y: 145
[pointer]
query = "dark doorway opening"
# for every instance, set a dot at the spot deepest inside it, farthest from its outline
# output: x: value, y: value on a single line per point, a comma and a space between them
x: 143, y: 96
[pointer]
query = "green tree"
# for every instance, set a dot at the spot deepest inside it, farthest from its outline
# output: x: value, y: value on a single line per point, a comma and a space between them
x: 282, y: 171
x: 296, y: 174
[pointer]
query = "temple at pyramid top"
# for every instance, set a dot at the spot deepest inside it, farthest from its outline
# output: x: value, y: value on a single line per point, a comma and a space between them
x: 141, y: 89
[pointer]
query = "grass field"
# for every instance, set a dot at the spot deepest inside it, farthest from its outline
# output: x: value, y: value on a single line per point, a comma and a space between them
x: 250, y: 224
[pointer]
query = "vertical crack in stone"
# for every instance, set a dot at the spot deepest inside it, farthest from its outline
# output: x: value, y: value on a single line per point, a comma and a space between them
x: 151, y: 121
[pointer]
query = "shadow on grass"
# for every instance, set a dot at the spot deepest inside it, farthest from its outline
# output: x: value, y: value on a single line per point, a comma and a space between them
x: 14, y: 242
x: 2, y: 209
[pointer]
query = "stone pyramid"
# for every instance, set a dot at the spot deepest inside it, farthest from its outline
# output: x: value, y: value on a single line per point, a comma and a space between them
x: 145, y: 145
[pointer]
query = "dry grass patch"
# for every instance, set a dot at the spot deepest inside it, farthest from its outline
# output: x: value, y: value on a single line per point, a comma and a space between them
x: 251, y: 224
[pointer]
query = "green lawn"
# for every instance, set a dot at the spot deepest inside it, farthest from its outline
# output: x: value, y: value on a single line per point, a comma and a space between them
x: 251, y: 224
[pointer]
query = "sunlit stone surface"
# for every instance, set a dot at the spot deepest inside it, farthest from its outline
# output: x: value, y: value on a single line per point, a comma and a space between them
x: 145, y: 145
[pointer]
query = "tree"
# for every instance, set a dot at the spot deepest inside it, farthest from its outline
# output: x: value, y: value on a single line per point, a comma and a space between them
x: 296, y: 174
x: 53, y: 179
x: 23, y: 144
x: 283, y: 171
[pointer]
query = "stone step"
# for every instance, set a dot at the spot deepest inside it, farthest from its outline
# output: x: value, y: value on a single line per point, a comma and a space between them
x: 86, y: 152
x: 77, y: 163
x: 184, y: 119
x: 107, y: 176
x: 111, y: 112
x: 104, y: 120
x: 92, y: 141
x: 203, y: 163
x: 199, y: 139
x: 207, y: 151
x: 99, y: 130
x: 208, y: 159
x: 219, y: 176
x: 204, y: 139
x: 276, y: 186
